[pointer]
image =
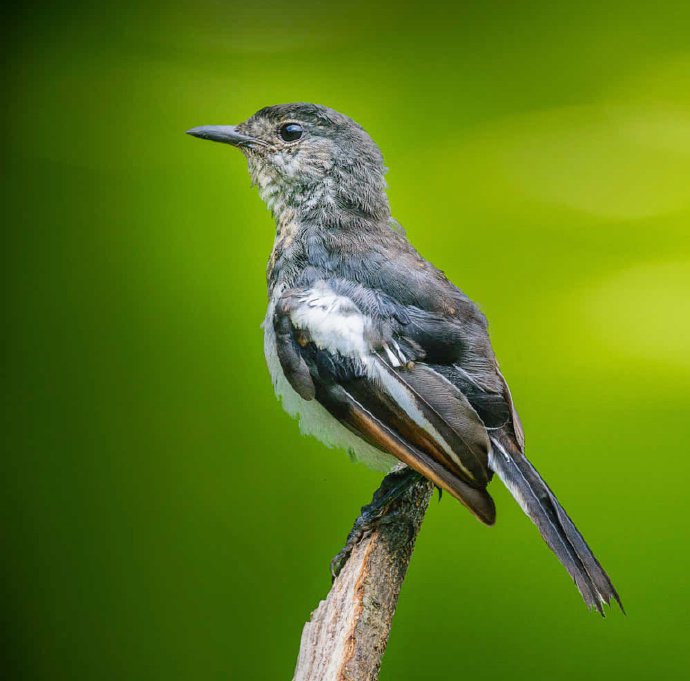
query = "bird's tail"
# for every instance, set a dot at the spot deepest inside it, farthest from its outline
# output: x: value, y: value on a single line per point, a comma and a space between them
x: 558, y: 531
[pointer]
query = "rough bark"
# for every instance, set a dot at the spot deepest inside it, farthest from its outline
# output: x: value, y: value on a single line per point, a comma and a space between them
x: 347, y: 634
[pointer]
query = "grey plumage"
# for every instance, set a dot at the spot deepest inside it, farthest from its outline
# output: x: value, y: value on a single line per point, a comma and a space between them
x: 371, y: 344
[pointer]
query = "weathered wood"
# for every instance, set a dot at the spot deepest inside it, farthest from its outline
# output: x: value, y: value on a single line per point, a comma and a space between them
x: 347, y: 634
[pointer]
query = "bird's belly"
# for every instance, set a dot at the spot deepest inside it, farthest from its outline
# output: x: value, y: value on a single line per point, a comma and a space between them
x: 313, y: 418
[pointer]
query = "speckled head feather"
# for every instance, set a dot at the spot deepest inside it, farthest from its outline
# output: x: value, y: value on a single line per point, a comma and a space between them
x: 333, y: 165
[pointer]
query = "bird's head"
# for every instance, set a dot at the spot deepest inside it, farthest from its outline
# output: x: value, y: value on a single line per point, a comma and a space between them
x: 309, y: 158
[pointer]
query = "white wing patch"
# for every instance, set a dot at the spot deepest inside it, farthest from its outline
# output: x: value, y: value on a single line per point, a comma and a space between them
x: 333, y: 322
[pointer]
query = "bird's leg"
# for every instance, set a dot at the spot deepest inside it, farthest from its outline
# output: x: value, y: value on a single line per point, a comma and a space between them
x: 378, y: 511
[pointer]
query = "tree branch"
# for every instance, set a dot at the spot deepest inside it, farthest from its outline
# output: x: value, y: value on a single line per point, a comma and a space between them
x: 347, y: 634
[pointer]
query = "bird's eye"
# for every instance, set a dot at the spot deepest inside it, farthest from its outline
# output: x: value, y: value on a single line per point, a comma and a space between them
x: 291, y: 132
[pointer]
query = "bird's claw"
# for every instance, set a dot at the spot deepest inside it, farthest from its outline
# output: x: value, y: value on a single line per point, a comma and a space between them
x: 375, y: 513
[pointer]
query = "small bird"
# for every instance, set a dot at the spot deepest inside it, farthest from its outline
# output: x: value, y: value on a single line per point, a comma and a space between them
x: 370, y: 345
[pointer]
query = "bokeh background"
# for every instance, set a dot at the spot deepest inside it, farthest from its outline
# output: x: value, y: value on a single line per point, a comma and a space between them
x: 162, y: 518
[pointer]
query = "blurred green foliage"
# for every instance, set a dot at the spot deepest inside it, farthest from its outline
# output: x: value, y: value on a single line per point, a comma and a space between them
x: 163, y: 519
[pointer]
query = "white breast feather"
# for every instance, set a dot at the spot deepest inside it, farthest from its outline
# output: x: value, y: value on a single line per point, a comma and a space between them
x: 313, y: 418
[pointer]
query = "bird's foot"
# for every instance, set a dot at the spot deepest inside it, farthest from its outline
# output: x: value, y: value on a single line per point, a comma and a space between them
x: 376, y: 513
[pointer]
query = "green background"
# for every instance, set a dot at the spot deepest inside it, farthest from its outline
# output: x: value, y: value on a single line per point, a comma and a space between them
x: 162, y: 518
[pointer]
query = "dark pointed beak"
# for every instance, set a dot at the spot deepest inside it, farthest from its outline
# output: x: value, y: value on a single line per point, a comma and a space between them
x: 223, y: 133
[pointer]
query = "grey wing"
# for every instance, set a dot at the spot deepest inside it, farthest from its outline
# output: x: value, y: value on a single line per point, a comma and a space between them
x: 439, y: 325
x: 361, y: 370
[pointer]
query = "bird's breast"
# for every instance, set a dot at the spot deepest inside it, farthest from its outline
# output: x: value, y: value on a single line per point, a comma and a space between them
x: 314, y: 419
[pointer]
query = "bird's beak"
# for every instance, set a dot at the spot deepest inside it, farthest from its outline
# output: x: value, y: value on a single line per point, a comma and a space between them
x: 223, y: 133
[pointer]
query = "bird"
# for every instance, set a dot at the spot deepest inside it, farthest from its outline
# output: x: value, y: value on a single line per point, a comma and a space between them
x: 371, y: 346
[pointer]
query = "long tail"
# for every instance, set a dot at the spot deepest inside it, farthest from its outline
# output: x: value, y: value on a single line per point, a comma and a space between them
x: 558, y: 531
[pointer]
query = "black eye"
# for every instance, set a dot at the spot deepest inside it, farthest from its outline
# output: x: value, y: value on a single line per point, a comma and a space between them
x: 290, y: 132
